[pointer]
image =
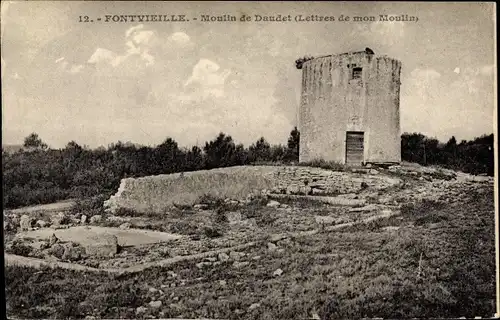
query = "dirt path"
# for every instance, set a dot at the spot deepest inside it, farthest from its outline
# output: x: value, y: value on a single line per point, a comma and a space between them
x: 11, y: 259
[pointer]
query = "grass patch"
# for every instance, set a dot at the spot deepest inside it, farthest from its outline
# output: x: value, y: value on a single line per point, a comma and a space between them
x: 320, y: 163
x: 440, y: 175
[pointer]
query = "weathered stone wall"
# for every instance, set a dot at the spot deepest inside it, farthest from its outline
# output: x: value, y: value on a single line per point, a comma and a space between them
x: 333, y: 103
x: 159, y: 193
x: 296, y: 180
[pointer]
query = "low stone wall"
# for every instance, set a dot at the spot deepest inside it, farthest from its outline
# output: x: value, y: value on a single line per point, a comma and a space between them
x: 159, y: 193
x: 317, y: 181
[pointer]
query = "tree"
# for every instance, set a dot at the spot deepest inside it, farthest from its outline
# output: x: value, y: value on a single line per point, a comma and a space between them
x: 167, y: 156
x: 450, y: 151
x: 222, y: 152
x: 193, y: 159
x: 33, y: 141
x: 292, y: 153
x: 260, y: 151
x: 72, y: 145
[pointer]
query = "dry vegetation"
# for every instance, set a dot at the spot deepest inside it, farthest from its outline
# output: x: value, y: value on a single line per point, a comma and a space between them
x: 432, y: 260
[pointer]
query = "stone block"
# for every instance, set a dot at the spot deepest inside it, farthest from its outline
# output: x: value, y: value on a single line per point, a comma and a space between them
x: 102, y: 246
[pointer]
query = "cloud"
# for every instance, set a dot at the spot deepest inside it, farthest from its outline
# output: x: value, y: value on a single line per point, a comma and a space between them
x: 422, y: 75
x: 390, y: 30
x: 210, y: 80
x: 76, y: 68
x: 68, y: 67
x: 471, y: 80
x: 385, y: 33
x: 131, y: 30
x: 102, y: 55
x: 180, y: 39
x: 140, y: 44
x: 142, y: 38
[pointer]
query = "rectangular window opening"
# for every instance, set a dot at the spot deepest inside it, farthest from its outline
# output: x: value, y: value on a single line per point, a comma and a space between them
x: 356, y: 73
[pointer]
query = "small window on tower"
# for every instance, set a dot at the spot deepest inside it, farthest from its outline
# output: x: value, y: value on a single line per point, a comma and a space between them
x: 356, y: 73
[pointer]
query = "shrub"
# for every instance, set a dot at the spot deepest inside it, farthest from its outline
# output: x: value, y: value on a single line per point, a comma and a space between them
x: 211, y: 232
x: 184, y: 227
x: 21, y: 249
x: 91, y: 206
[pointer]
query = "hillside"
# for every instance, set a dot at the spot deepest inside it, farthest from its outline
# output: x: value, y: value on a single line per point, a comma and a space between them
x: 422, y: 246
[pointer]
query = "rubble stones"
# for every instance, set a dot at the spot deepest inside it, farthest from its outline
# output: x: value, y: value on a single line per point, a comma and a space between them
x: 95, y: 219
x: 26, y: 222
x: 369, y: 207
x: 240, y: 264
x: 57, y: 250
x: 141, y: 310
x: 125, y: 226
x: 271, y: 246
x: 305, y: 190
x: 53, y: 240
x: 324, y: 219
x: 223, y: 256
x: 41, y: 223
x: 273, y: 204
x: 59, y: 219
x: 253, y: 306
x: 200, y: 265
x: 233, y: 217
x: 278, y: 272
x: 73, y: 253
x: 155, y: 304
x: 236, y: 255
x: 201, y: 206
x: 293, y: 190
x: 83, y: 219
x: 7, y: 226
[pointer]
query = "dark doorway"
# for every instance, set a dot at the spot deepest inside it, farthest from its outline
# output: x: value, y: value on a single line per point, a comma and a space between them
x: 354, y: 148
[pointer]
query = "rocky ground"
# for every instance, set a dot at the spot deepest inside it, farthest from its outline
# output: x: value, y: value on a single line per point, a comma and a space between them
x: 357, y: 237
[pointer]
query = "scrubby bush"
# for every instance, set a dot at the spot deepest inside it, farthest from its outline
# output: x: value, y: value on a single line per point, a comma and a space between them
x: 40, y: 174
x: 211, y: 232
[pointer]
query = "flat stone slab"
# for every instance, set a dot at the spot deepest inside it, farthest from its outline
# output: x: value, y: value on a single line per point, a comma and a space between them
x: 324, y: 199
x: 57, y: 206
x: 86, y: 235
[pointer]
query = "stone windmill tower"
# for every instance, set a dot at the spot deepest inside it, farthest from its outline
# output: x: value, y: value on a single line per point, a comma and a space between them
x: 349, y: 109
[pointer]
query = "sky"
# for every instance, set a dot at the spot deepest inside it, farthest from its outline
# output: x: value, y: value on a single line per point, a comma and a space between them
x: 99, y: 83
